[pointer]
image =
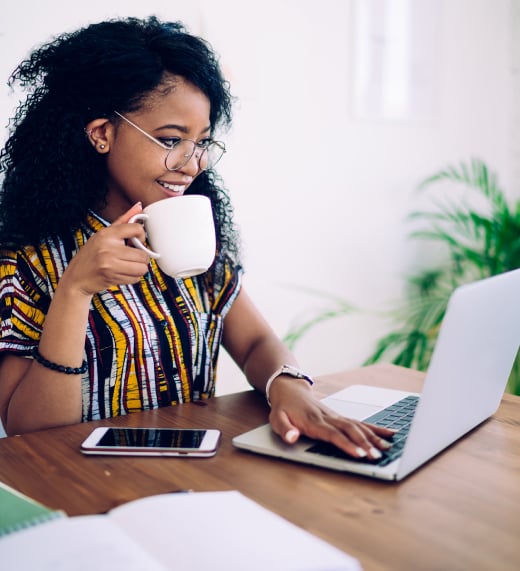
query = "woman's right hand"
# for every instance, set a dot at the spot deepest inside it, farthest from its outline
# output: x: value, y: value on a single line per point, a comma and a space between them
x: 106, y: 260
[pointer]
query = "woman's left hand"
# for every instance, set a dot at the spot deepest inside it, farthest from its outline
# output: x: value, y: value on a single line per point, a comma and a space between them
x: 295, y: 411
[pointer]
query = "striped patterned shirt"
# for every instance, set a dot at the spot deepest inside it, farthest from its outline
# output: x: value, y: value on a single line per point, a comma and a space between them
x: 151, y: 344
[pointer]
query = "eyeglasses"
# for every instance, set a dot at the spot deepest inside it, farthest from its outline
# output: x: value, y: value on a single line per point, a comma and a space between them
x: 179, y: 151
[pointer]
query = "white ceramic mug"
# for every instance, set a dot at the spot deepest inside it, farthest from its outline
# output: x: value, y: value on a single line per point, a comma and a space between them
x: 181, y: 233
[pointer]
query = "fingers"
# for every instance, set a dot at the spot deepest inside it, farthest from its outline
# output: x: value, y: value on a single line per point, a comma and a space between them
x: 381, y: 430
x: 127, y: 268
x: 105, y: 260
x: 353, y: 437
x: 286, y: 429
x: 124, y: 230
x: 119, y: 264
x: 366, y: 437
x: 137, y: 208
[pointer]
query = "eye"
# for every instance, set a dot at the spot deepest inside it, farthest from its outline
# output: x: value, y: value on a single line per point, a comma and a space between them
x: 171, y: 142
x: 204, y: 143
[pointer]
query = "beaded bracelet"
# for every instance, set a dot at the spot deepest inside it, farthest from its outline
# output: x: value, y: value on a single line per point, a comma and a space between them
x: 55, y: 367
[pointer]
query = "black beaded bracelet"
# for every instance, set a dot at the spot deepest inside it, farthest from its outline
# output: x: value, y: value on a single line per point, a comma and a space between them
x: 55, y: 367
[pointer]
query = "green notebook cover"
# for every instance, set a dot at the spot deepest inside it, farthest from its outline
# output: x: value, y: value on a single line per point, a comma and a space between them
x: 18, y: 511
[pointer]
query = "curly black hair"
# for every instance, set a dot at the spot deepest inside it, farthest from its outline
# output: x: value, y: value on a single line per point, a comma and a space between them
x: 51, y: 174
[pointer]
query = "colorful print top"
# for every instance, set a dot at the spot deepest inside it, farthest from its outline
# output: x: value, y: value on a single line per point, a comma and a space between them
x: 151, y: 344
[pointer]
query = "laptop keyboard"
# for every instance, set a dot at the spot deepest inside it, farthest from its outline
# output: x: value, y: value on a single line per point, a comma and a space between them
x: 397, y: 416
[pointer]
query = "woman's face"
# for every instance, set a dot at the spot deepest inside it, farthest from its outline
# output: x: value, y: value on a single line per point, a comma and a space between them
x: 136, y: 165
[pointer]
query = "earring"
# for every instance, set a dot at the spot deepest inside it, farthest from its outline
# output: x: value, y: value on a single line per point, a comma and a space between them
x: 101, y: 147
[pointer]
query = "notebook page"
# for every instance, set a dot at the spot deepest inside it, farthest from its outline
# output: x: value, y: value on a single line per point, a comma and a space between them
x: 225, y: 531
x: 78, y: 543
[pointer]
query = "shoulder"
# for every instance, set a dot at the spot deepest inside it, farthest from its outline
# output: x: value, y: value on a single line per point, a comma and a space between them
x: 8, y: 259
x: 18, y: 279
x: 11, y: 259
x: 34, y: 266
x: 21, y: 269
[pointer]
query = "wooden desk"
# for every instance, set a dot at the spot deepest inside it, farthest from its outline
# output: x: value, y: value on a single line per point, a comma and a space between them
x: 459, y: 512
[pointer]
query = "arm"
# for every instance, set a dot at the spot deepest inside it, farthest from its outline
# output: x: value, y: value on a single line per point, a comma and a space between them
x: 259, y: 352
x: 32, y: 396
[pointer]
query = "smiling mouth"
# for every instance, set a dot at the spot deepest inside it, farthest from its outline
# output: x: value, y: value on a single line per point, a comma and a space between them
x: 173, y: 187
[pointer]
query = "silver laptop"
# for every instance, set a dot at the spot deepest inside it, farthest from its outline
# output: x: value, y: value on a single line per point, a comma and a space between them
x: 473, y: 357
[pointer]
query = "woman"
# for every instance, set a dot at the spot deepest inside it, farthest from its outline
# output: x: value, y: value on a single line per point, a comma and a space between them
x: 119, y: 115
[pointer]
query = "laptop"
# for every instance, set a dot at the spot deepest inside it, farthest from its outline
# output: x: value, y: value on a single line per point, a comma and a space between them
x: 468, y: 373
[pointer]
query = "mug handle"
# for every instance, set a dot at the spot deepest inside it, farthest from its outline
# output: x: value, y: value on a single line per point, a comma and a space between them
x: 137, y: 243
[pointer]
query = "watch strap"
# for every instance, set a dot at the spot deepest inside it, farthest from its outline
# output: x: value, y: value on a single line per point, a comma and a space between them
x: 289, y: 370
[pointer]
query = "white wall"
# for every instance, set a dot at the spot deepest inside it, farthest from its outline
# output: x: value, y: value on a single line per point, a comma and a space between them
x: 320, y: 193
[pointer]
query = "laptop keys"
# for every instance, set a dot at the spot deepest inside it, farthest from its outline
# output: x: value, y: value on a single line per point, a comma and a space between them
x: 397, y: 416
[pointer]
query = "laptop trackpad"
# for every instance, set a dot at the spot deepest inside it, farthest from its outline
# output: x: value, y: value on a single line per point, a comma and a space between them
x: 360, y: 401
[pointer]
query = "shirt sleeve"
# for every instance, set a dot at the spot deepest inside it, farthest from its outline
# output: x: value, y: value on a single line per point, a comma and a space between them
x: 23, y: 303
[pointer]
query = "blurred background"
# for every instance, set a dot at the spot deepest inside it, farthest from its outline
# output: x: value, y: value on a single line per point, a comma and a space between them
x: 343, y: 107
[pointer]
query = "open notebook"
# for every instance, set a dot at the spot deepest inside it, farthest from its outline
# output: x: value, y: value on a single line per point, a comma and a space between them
x: 467, y: 376
x: 201, y: 531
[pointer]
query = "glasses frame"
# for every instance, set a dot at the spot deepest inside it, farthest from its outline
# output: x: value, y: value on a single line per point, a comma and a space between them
x: 168, y: 149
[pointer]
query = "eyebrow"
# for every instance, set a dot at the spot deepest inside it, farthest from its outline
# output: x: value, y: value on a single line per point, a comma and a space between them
x: 183, y: 129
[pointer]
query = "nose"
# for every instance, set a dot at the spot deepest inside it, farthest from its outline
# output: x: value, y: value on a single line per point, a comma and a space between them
x: 192, y: 167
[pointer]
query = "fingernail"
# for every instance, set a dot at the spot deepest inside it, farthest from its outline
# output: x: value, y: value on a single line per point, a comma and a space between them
x: 360, y: 452
x: 385, y: 443
x: 292, y: 435
x: 374, y: 453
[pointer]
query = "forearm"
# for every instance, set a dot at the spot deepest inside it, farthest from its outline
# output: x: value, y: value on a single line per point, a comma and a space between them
x: 264, y: 358
x: 34, y: 396
x: 44, y: 397
x: 255, y: 347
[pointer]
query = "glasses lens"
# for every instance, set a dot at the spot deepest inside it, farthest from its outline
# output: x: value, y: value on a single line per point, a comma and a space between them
x: 207, y: 158
x: 212, y: 155
x: 179, y: 155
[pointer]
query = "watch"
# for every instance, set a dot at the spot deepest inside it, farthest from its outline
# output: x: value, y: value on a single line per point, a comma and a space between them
x: 290, y: 370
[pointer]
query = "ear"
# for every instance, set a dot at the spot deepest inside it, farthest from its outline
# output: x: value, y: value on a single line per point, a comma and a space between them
x: 99, y: 133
